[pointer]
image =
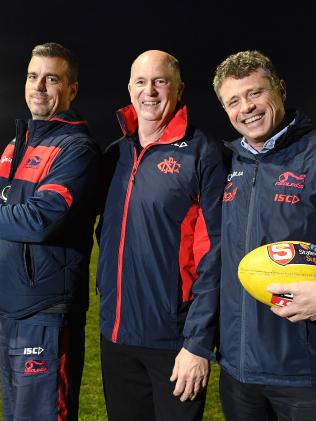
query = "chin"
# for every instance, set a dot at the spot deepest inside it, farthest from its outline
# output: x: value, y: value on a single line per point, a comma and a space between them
x: 151, y: 117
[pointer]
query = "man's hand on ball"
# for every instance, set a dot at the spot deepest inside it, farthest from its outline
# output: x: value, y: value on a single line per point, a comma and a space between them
x: 303, y: 306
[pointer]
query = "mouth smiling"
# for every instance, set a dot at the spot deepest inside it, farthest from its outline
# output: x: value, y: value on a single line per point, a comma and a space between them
x: 253, y: 119
x: 39, y: 98
x: 150, y: 103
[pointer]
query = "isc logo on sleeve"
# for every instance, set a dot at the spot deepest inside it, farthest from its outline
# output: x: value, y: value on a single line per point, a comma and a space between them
x: 33, y: 351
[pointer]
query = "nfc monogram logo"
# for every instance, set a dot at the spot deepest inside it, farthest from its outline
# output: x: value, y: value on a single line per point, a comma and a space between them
x: 169, y: 165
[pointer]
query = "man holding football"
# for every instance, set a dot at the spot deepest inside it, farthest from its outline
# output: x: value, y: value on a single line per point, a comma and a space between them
x: 268, y: 363
x: 303, y: 306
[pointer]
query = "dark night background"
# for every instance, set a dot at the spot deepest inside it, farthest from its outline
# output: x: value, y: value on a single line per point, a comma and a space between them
x: 107, y: 36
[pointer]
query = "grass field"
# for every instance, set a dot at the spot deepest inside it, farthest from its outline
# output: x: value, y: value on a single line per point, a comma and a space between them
x: 92, y: 407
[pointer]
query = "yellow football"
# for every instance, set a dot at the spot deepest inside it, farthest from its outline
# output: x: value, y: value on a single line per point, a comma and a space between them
x: 281, y: 262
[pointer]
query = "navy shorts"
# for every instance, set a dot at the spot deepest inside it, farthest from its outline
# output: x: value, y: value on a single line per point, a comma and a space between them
x: 41, y: 362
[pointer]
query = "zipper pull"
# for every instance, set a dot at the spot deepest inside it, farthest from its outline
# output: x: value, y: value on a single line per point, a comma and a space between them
x: 134, y: 175
x: 255, y: 173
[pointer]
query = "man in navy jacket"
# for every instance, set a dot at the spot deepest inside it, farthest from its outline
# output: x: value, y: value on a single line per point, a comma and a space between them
x: 48, y: 186
x: 268, y: 363
x: 159, y: 261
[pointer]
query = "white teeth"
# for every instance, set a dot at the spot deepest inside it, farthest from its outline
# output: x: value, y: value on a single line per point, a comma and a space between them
x: 150, y: 102
x: 252, y: 119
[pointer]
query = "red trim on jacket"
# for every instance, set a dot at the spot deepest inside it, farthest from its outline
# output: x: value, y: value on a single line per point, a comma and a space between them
x: 176, y: 127
x: 58, y: 188
x: 128, y: 120
x: 174, y: 131
x: 194, y: 244
x: 36, y: 163
x: 202, y: 241
x: 69, y: 122
x: 6, y: 161
x: 186, y: 254
x: 121, y: 252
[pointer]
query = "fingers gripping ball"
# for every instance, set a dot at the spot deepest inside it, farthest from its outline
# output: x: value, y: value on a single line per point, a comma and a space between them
x: 282, y: 262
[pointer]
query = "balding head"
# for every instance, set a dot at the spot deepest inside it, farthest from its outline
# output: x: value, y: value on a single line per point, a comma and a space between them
x: 155, y: 86
x: 151, y: 56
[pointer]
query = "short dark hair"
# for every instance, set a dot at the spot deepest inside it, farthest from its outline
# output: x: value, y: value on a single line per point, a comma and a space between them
x: 52, y: 49
x: 241, y: 64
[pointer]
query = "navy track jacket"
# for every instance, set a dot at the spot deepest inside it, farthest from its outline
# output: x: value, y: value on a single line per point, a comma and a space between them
x: 268, y: 197
x: 46, y: 224
x: 159, y: 259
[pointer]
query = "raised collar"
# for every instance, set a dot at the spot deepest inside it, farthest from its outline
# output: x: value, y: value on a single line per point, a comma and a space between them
x: 174, y: 131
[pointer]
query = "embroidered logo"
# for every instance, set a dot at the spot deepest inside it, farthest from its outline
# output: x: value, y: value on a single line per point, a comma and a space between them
x: 229, y: 196
x: 33, y: 162
x: 234, y: 174
x: 36, y: 350
x: 35, y: 367
x: 287, y: 198
x: 290, y: 179
x: 170, y: 166
x: 181, y: 145
x: 5, y: 159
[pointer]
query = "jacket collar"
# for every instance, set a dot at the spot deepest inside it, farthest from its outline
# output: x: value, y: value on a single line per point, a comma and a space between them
x: 174, y: 131
x: 38, y: 128
x: 301, y: 125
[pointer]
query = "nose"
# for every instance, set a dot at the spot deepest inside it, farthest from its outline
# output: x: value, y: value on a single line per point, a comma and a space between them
x: 150, y: 89
x: 247, y: 105
x: 40, y: 84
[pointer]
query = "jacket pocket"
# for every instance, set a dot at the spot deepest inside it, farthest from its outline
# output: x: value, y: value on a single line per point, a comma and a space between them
x: 29, y: 264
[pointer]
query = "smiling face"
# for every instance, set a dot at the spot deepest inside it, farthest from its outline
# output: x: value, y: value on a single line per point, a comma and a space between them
x: 155, y: 87
x: 47, y: 88
x: 254, y: 107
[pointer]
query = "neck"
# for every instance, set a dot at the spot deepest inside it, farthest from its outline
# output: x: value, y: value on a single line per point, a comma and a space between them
x: 257, y: 146
x: 150, y: 133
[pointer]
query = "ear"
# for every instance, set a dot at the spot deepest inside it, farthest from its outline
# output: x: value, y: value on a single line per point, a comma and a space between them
x: 283, y: 90
x: 129, y: 88
x: 73, y: 90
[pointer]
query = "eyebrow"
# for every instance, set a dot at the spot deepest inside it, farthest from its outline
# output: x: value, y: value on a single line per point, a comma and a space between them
x: 257, y: 88
x: 46, y: 74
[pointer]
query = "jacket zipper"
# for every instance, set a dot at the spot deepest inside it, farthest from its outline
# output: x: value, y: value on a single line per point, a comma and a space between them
x: 131, y: 182
x: 29, y: 264
x: 247, y: 250
x: 18, y: 153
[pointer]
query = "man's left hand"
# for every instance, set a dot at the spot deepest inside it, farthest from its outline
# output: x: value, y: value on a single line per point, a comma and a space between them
x: 191, y: 374
x: 303, y: 306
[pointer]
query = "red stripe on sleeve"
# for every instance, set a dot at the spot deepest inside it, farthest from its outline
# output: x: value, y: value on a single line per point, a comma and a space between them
x: 63, y: 191
x: 186, y: 254
x: 6, y: 160
x: 202, y: 242
x: 194, y: 244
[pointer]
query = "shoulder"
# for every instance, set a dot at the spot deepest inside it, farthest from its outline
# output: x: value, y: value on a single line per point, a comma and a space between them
x: 209, y: 149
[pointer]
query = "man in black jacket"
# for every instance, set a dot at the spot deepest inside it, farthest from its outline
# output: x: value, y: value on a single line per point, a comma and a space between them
x: 268, y: 363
